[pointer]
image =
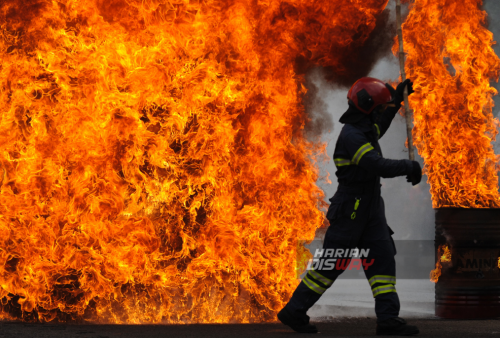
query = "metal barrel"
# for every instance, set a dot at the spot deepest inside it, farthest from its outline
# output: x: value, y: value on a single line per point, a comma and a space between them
x: 469, y: 286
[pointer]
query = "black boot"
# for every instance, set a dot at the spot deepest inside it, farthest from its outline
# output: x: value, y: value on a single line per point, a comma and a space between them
x: 297, y: 324
x: 395, y: 327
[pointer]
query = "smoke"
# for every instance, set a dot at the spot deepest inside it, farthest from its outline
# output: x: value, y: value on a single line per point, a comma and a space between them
x: 360, y: 61
x: 353, y: 62
x: 356, y: 63
x: 319, y: 120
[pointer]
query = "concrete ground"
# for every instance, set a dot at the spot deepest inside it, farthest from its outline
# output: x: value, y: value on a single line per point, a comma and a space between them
x: 345, y: 310
x: 354, y: 327
x: 353, y: 298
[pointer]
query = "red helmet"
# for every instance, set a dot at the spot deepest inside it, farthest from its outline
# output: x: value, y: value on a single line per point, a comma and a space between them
x: 367, y: 93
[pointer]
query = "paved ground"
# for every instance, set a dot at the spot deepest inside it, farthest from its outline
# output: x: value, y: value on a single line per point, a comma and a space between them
x: 353, y: 298
x: 345, y: 310
x: 359, y: 327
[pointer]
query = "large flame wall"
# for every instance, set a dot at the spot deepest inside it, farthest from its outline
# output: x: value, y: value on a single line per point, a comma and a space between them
x: 153, y: 157
x: 451, y: 59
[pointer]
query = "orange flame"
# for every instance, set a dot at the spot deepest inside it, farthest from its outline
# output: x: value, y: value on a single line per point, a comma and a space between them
x: 155, y: 165
x: 436, y: 273
x: 445, y: 257
x: 451, y: 61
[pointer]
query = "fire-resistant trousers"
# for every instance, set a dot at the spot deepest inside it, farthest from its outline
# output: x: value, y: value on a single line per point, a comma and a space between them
x: 356, y: 221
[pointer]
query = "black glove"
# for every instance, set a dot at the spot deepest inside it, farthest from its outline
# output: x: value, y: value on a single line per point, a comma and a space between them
x: 400, y: 89
x: 416, y: 174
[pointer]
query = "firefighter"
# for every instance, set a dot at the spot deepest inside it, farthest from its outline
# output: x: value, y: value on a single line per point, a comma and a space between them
x: 356, y: 213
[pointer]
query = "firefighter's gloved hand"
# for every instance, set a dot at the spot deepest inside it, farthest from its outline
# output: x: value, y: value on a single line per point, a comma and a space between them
x: 416, y: 174
x: 401, y: 88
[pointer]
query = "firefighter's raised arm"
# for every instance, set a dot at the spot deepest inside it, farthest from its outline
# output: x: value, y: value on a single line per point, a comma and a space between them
x: 392, y: 108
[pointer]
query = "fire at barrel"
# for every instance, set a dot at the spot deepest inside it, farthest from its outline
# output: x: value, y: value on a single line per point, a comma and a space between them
x: 469, y: 284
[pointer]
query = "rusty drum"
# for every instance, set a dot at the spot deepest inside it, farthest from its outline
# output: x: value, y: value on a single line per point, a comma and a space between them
x: 469, y: 285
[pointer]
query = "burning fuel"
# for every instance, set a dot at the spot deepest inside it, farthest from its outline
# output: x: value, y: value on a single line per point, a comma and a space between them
x: 444, y: 254
x: 451, y: 60
x: 153, y: 156
x: 446, y: 257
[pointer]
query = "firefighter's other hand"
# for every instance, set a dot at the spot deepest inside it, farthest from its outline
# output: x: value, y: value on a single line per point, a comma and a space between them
x: 416, y: 175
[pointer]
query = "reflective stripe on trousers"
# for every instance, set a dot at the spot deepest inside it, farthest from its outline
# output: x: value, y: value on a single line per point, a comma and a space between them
x: 386, y: 284
x: 317, y: 282
x: 383, y: 289
x: 382, y: 279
